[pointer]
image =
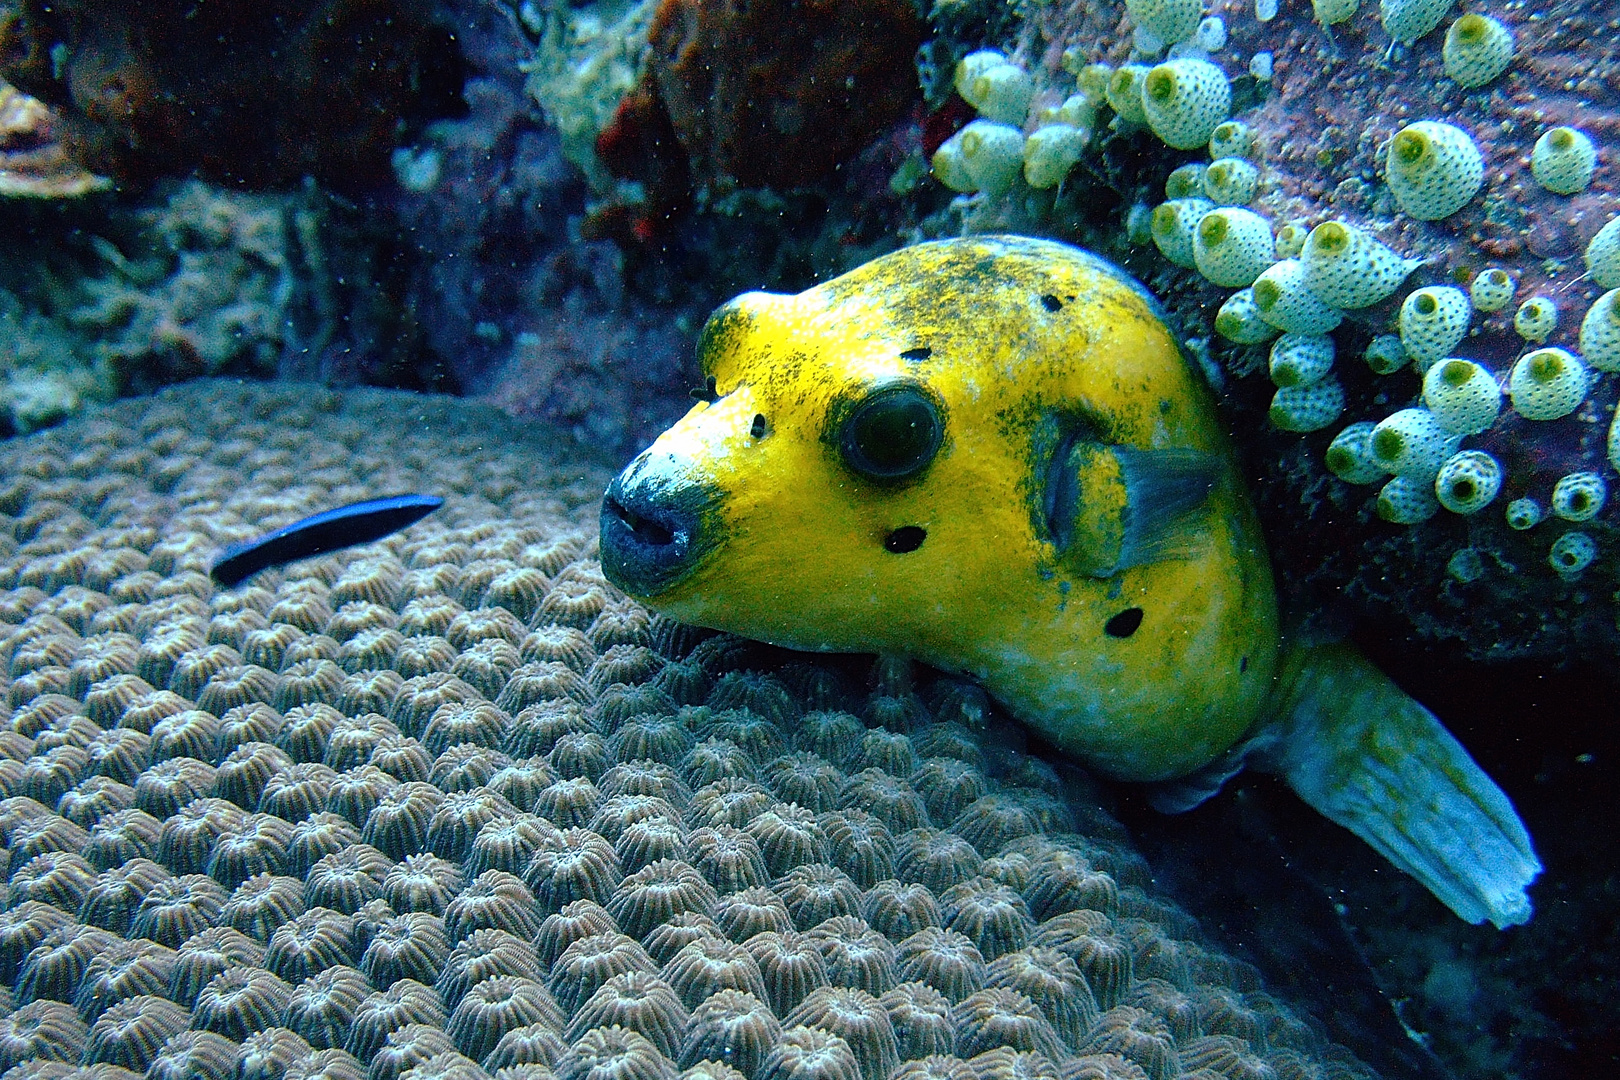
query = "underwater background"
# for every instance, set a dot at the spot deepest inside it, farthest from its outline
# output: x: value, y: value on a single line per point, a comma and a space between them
x: 451, y: 804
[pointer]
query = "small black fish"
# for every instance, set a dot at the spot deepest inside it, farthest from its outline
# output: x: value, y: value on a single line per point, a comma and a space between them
x: 330, y: 530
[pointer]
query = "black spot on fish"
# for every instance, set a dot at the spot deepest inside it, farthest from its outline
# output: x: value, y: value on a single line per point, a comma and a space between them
x: 706, y: 392
x: 905, y: 539
x: 1124, y: 624
x: 1051, y: 303
x: 1243, y: 666
x: 758, y: 428
x: 921, y: 352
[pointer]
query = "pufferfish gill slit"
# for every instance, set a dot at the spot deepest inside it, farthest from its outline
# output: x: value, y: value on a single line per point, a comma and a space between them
x: 991, y: 455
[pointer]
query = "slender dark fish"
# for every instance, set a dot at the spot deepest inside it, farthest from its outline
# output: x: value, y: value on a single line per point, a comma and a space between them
x: 330, y: 530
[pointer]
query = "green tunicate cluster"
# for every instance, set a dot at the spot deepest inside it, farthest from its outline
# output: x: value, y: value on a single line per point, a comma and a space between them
x: 1491, y: 289
x: 1295, y: 285
x: 1433, y: 169
x: 1185, y: 100
x: 1600, y: 333
x: 992, y: 156
x: 1477, y: 50
x: 1308, y: 397
x: 1562, y: 160
x: 1536, y: 319
x: 1432, y: 321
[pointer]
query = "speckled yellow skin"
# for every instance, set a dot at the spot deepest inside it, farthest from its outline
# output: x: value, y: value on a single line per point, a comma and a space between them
x: 797, y: 555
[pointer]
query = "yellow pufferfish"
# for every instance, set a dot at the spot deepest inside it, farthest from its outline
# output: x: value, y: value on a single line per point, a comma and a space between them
x: 992, y: 456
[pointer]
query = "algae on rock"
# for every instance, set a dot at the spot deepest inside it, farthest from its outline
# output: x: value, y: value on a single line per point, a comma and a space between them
x: 208, y: 291
x: 587, y: 60
x: 48, y: 371
x: 197, y: 281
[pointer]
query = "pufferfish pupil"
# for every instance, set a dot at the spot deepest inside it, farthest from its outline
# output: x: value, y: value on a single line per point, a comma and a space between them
x: 905, y: 539
x: 892, y: 434
x: 1091, y: 555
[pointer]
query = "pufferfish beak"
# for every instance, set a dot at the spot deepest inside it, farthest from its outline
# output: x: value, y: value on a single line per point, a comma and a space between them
x: 657, y: 525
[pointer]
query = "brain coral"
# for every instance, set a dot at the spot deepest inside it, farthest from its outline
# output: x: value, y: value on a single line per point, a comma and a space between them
x: 520, y: 985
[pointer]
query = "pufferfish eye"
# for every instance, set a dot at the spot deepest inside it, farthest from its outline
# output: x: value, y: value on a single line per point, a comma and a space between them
x: 892, y: 434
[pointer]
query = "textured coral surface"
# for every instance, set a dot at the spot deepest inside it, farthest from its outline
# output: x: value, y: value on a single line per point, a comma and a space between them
x: 451, y: 805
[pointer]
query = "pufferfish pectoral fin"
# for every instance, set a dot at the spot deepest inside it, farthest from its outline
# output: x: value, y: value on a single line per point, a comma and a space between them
x: 1355, y: 747
x: 1110, y: 507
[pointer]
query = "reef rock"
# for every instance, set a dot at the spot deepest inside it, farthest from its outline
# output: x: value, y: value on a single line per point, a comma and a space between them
x: 253, y: 93
x: 32, y: 160
x: 773, y: 94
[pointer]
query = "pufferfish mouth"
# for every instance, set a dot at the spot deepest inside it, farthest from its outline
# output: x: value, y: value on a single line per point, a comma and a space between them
x: 653, y: 534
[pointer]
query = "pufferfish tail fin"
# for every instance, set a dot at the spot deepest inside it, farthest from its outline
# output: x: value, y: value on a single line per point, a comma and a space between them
x: 1354, y: 746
